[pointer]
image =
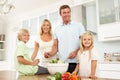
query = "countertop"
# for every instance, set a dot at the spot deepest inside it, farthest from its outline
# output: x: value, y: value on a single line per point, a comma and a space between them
x: 109, y: 62
x: 12, y: 75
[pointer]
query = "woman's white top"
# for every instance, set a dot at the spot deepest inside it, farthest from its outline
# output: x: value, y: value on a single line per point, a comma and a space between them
x: 44, y: 47
x: 85, y: 62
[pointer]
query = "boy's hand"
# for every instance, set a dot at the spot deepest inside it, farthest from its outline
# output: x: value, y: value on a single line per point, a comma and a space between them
x: 35, y: 62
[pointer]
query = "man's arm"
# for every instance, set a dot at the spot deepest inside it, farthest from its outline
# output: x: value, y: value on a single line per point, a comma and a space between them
x: 73, y: 54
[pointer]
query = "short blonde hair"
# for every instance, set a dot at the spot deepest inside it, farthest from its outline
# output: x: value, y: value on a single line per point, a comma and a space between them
x: 21, y: 32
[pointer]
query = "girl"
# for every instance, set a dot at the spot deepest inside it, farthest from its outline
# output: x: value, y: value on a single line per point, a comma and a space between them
x: 23, y: 63
x: 87, y: 57
x: 44, y: 42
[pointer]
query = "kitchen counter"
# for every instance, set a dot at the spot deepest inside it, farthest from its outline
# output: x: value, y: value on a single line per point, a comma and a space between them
x: 12, y: 75
x: 109, y: 62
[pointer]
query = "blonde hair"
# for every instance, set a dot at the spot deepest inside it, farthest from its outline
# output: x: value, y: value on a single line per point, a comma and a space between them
x: 41, y: 30
x: 21, y: 32
x: 92, y: 43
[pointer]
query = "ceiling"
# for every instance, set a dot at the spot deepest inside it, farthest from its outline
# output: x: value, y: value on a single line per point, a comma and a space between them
x: 22, y: 6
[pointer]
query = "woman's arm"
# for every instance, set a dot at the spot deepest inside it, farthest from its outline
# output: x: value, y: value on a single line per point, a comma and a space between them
x: 54, y: 49
x: 35, y: 51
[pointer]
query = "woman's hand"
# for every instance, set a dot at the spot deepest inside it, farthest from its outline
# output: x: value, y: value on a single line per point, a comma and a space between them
x: 47, y: 54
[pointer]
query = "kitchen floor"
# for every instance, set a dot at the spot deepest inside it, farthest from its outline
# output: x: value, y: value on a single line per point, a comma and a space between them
x: 12, y: 75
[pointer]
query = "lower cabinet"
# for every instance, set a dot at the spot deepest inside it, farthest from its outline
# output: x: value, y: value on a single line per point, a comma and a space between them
x: 109, y: 70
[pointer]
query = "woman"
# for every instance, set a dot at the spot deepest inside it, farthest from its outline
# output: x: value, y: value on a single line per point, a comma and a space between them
x: 44, y: 42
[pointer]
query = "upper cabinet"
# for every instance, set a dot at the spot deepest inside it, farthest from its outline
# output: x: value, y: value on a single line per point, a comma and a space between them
x: 85, y: 12
x: 108, y: 20
x: 107, y: 11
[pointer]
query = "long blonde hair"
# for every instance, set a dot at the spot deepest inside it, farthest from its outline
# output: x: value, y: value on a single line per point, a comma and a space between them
x: 41, y: 30
x: 81, y: 43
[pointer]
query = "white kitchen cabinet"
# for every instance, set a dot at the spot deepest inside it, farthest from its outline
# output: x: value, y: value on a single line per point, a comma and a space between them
x: 2, y: 50
x: 109, y: 70
x: 78, y: 2
x: 107, y: 11
x: 109, y: 32
x: 3, y: 61
x: 2, y: 42
x: 86, y: 13
x: 108, y: 20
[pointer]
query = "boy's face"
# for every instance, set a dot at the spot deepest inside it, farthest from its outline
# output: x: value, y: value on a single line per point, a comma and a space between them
x: 25, y: 37
x: 87, y: 41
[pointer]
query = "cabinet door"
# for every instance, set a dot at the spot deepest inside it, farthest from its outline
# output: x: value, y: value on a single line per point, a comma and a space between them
x: 109, y: 70
x: 107, y: 13
x: 86, y: 13
x: 109, y: 32
x: 119, y: 8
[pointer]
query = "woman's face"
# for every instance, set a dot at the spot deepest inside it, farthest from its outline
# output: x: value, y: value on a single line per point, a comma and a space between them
x: 87, y: 41
x: 46, y: 27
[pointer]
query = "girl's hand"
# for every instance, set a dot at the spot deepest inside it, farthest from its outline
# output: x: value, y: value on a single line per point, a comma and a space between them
x: 93, y: 77
x: 74, y: 73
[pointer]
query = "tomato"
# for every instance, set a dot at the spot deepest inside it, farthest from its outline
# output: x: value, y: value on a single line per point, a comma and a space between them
x: 65, y: 76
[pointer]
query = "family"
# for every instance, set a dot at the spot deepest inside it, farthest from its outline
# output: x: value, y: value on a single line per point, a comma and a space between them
x: 69, y: 42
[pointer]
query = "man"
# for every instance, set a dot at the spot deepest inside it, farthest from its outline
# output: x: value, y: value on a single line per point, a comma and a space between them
x: 66, y: 38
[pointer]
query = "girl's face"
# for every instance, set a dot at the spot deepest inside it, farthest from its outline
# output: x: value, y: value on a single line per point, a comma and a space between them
x: 87, y: 41
x: 46, y: 27
x: 25, y: 37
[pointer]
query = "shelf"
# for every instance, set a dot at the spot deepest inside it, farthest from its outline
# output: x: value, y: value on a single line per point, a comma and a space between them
x: 2, y: 41
x: 2, y: 49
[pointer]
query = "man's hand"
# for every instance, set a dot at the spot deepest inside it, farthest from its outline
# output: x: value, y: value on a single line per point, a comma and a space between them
x: 72, y: 55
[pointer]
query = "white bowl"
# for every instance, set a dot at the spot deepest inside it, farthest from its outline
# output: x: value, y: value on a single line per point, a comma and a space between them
x: 57, y: 67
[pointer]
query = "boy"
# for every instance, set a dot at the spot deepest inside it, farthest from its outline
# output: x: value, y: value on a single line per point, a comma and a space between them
x: 23, y: 63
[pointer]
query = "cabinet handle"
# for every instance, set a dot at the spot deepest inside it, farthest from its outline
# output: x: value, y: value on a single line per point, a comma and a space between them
x: 112, y: 37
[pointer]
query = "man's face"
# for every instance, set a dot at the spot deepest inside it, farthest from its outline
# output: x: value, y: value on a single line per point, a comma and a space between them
x: 66, y: 15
